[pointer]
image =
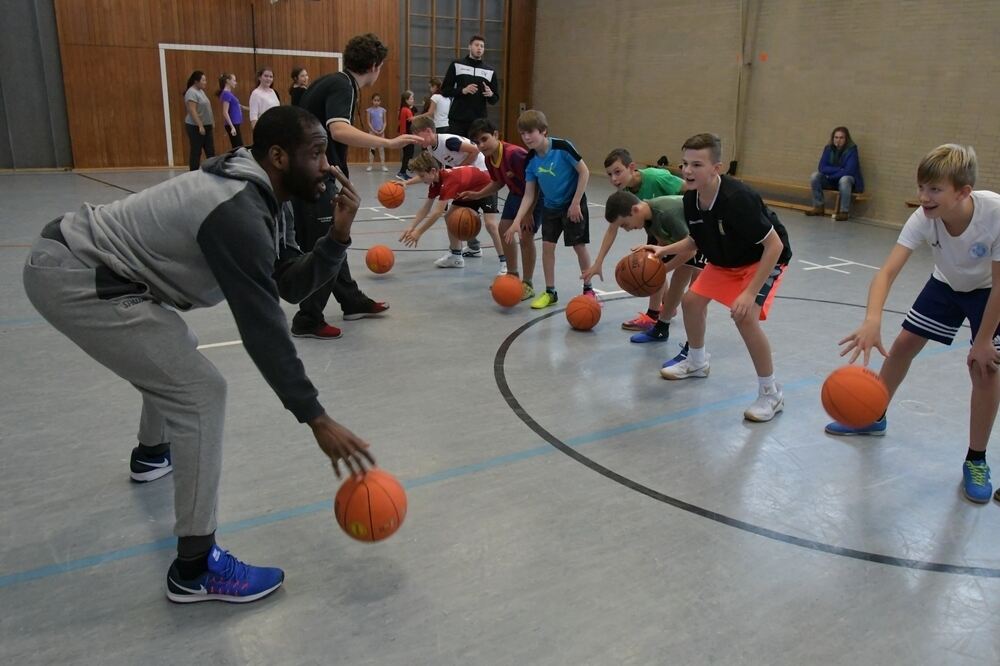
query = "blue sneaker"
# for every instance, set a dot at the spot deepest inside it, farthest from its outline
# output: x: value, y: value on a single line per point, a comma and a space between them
x: 677, y: 359
x: 227, y: 579
x: 876, y: 429
x: 143, y: 469
x: 649, y: 335
x: 976, y: 479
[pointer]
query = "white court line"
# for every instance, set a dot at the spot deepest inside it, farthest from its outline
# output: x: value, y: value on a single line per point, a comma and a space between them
x: 609, y: 293
x: 855, y: 263
x: 814, y: 266
x: 221, y: 344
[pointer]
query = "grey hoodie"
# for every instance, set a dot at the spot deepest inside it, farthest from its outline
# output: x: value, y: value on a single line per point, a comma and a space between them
x: 214, y: 234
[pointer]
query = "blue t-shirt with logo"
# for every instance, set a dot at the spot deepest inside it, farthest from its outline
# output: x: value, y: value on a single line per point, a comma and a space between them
x: 554, y: 173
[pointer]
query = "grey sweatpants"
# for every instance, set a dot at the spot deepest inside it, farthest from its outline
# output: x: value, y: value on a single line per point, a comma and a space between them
x: 152, y: 348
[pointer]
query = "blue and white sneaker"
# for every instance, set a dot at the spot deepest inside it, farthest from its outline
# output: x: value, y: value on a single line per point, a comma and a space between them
x: 227, y: 579
x: 876, y: 429
x: 143, y: 469
x: 677, y: 359
x: 976, y: 480
x: 649, y: 335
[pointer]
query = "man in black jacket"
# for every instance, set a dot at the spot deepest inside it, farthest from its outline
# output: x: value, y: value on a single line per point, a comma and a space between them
x: 472, y: 85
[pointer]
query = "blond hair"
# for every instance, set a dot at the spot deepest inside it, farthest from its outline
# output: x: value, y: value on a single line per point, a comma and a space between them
x: 532, y: 120
x: 421, y: 123
x: 952, y: 162
x: 423, y: 163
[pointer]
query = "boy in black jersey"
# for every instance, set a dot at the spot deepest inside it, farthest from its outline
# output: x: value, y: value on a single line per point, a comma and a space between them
x: 747, y: 251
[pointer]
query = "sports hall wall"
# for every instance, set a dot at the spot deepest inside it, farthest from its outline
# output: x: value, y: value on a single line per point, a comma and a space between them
x: 902, y: 76
x: 111, y: 63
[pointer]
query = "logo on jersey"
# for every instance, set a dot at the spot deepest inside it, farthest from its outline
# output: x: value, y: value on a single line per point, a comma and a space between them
x: 978, y: 250
x: 550, y: 170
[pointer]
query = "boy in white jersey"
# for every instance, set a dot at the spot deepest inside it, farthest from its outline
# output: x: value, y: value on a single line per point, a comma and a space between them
x: 962, y: 227
x: 452, y: 150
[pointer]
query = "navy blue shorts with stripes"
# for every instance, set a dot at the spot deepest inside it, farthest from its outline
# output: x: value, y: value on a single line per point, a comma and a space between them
x: 940, y: 311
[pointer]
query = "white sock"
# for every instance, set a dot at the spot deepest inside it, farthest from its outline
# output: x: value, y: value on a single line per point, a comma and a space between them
x: 696, y: 357
x: 767, y: 384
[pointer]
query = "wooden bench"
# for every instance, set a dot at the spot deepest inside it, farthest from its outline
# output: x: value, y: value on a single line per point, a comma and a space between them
x: 767, y: 184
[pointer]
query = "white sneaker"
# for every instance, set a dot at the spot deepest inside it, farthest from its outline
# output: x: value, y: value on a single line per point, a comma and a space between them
x: 450, y: 261
x: 368, y: 169
x: 767, y: 404
x: 503, y: 268
x: 685, y: 369
x: 385, y: 168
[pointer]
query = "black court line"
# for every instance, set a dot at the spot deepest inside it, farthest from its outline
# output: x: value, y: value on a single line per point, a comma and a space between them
x: 104, y: 182
x: 521, y: 413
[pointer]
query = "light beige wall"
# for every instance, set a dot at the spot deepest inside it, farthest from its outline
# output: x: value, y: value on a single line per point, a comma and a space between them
x: 904, y: 77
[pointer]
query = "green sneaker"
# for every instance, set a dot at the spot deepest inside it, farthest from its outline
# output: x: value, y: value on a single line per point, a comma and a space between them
x: 545, y: 300
x: 527, y: 291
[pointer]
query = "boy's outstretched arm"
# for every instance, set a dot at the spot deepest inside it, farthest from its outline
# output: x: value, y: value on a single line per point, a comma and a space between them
x: 596, y: 268
x: 523, y: 212
x: 412, y: 235
x: 869, y: 335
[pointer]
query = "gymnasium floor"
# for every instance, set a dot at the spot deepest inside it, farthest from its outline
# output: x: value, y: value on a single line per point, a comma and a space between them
x: 566, y: 505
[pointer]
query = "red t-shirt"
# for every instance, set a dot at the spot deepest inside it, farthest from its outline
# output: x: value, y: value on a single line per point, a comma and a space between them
x: 405, y: 116
x: 510, y: 171
x: 453, y: 182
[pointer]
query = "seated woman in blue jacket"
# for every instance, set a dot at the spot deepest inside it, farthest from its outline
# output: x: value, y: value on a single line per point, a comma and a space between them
x: 839, y: 169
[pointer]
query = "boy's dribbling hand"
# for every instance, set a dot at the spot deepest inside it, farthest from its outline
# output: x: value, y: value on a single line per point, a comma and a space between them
x: 588, y: 274
x: 341, y: 446
x: 654, y: 250
x: 410, y: 237
x: 863, y: 340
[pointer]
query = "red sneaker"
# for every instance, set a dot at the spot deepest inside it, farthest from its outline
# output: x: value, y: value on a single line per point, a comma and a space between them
x: 324, y: 332
x: 373, y: 309
x: 641, y: 323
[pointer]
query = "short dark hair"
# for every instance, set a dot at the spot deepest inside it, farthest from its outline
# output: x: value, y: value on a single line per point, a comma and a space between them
x: 618, y: 155
x: 619, y: 205
x: 706, y: 140
x: 283, y: 126
x: 364, y: 52
x: 478, y: 38
x: 481, y: 125
x: 193, y: 79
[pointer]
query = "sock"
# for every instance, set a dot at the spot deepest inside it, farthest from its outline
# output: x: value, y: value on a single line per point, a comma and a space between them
x: 153, y: 451
x: 457, y: 253
x: 661, y: 328
x: 653, y: 314
x: 587, y: 287
x: 551, y: 290
x: 767, y: 383
x: 503, y: 259
x: 192, y: 555
x: 976, y: 455
x: 527, y: 282
x: 696, y: 357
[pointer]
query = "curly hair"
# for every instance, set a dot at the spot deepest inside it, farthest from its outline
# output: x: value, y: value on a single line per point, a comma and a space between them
x: 364, y: 52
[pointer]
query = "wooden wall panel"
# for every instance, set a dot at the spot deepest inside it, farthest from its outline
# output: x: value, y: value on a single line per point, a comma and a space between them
x: 111, y: 66
x: 520, y: 51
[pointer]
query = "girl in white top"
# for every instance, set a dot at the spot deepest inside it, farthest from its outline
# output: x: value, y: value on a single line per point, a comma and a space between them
x: 263, y: 96
x: 962, y: 227
x: 438, y: 107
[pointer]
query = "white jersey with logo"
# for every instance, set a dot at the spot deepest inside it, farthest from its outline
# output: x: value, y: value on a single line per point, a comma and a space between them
x: 962, y: 262
x: 447, y: 151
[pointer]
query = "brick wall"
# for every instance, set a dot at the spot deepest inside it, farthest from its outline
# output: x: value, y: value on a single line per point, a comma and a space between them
x: 903, y: 76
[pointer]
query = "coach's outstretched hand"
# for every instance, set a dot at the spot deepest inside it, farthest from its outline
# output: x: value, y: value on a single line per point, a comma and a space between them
x: 345, y: 207
x: 341, y: 445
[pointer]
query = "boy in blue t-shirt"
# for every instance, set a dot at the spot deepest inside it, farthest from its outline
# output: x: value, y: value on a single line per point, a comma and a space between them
x: 557, y: 170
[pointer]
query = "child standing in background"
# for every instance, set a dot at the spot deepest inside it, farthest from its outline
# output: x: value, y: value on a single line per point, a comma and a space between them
x: 405, y: 116
x: 375, y: 117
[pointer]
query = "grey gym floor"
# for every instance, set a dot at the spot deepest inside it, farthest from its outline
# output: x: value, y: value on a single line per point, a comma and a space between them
x: 566, y: 505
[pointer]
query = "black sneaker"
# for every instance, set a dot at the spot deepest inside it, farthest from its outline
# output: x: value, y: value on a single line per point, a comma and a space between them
x: 143, y: 469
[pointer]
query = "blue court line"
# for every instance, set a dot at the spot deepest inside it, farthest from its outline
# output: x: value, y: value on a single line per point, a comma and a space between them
x: 8, y: 580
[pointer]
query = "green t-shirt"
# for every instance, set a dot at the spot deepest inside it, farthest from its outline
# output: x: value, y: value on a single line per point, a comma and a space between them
x: 657, y: 182
x: 668, y: 225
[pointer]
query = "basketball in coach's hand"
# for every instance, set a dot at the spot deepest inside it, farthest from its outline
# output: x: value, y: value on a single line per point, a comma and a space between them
x: 370, y: 507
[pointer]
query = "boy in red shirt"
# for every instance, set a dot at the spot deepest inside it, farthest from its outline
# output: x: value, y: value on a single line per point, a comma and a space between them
x: 447, y: 185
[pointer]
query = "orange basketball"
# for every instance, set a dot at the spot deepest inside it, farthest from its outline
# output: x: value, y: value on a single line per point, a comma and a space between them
x: 380, y: 259
x: 583, y: 313
x: 507, y: 290
x: 370, y: 507
x: 640, y: 274
x: 391, y: 194
x: 463, y: 222
x: 855, y: 396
